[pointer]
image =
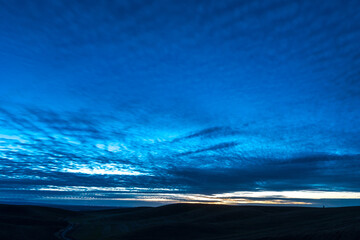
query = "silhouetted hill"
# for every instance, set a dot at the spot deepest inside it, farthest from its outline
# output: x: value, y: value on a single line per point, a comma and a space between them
x: 181, y: 221
x: 31, y: 222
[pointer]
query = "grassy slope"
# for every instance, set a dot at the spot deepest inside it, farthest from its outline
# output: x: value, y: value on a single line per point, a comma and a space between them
x: 31, y: 222
x: 182, y: 221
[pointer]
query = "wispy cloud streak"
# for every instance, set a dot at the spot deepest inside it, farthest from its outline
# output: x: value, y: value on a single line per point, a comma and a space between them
x: 181, y: 101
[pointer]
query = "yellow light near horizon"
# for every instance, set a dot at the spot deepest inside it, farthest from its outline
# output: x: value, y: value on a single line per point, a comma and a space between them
x: 293, y: 194
x: 247, y: 197
x: 234, y: 198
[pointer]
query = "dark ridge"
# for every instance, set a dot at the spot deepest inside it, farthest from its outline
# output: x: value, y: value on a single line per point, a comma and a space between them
x: 180, y: 221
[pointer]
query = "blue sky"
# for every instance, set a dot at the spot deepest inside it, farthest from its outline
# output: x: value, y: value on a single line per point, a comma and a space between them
x: 149, y: 102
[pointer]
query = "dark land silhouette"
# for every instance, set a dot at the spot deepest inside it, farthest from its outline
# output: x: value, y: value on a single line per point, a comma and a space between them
x: 180, y: 221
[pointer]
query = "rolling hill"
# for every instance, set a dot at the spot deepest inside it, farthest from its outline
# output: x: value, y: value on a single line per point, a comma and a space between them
x: 180, y: 221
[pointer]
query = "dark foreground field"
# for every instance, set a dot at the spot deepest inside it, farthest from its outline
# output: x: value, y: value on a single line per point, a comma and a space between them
x: 180, y: 221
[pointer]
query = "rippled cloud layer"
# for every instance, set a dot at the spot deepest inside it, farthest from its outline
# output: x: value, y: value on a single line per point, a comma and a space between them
x: 150, y: 102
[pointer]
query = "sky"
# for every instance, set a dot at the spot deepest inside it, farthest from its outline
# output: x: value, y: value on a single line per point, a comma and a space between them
x: 143, y: 103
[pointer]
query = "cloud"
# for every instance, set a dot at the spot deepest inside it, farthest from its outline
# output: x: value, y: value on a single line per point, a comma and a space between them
x: 211, y: 148
x: 203, y: 97
x: 46, y: 148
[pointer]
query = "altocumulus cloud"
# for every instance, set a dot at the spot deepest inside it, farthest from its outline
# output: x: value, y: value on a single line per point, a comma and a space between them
x: 137, y: 102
